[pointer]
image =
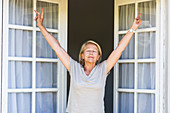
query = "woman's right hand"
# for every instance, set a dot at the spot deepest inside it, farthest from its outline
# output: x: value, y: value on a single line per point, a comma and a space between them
x: 39, y: 17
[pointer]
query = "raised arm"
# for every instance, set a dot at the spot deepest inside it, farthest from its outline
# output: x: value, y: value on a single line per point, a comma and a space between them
x: 55, y: 45
x: 115, y: 55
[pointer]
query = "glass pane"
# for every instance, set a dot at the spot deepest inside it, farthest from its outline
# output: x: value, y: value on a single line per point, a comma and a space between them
x: 126, y: 76
x: 46, y: 75
x: 126, y: 103
x: 50, y: 14
x: 20, y: 12
x: 129, y: 52
x: 19, y: 103
x: 146, y: 103
x: 146, y: 45
x: 46, y: 103
x: 148, y: 10
x: 126, y: 16
x: 20, y: 43
x: 19, y: 74
x: 43, y: 49
x: 146, y: 75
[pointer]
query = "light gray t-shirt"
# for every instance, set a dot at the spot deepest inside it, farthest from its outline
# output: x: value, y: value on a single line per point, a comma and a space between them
x: 86, y: 92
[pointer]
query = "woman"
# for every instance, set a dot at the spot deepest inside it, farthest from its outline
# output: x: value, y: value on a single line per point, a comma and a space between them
x: 88, y: 76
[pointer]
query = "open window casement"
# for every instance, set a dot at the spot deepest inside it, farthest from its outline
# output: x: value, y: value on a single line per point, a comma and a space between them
x: 34, y: 80
x: 136, y: 82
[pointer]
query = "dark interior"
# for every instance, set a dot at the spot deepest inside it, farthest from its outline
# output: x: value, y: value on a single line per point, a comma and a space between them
x: 92, y: 20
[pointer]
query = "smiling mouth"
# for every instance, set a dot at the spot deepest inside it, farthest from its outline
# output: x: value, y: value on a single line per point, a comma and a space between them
x: 90, y: 57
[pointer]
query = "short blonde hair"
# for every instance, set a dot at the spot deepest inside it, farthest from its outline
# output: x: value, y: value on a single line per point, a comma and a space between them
x: 81, y: 60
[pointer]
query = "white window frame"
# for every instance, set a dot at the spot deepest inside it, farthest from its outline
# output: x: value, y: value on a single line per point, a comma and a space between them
x: 62, y: 72
x: 158, y: 60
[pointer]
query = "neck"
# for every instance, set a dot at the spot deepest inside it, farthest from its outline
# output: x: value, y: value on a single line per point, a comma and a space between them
x: 88, y: 67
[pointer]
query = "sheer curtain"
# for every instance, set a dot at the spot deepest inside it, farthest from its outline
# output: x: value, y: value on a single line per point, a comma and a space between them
x: 145, y: 50
x: 20, y: 44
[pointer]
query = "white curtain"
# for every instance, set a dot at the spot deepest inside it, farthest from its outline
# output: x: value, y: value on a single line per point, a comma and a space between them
x: 126, y: 76
x: 126, y: 16
x: 20, y: 12
x: 20, y: 44
x: 148, y: 10
x: 126, y: 103
x: 129, y: 52
x: 43, y: 49
x: 146, y: 103
x: 46, y: 103
x: 50, y: 14
x: 46, y: 75
x: 146, y: 50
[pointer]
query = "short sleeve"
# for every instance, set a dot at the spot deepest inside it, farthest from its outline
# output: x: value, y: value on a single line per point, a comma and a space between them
x: 73, y: 66
x: 103, y: 67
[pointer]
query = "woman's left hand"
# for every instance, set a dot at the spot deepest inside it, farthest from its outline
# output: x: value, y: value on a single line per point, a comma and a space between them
x: 137, y: 22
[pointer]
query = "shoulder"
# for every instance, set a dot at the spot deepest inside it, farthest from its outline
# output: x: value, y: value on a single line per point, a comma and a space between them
x: 101, y: 64
x: 74, y: 64
x: 103, y: 67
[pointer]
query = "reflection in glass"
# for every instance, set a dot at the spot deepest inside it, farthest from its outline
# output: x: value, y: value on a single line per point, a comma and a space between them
x: 126, y: 76
x: 21, y: 12
x: 148, y: 10
x: 46, y: 103
x: 46, y: 75
x: 43, y: 49
x: 126, y: 103
x: 129, y: 52
x: 19, y: 74
x: 50, y: 14
x: 126, y: 16
x: 146, y: 45
x: 20, y: 43
x: 146, y: 75
x: 146, y: 103
x: 19, y: 103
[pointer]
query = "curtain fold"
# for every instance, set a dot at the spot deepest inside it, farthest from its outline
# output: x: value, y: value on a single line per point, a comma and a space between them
x: 46, y: 103
x: 43, y: 49
x: 126, y: 103
x: 126, y: 76
x: 50, y: 14
x: 19, y: 102
x: 146, y: 103
x: 45, y: 75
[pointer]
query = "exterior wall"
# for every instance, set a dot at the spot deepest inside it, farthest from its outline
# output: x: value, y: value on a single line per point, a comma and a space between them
x: 167, y: 93
x: 0, y: 52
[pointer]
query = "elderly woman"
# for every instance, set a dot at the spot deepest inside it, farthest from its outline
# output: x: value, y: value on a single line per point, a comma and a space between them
x: 88, y: 76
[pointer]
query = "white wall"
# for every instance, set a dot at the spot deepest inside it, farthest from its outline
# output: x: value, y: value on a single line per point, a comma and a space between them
x: 168, y: 58
x: 0, y: 50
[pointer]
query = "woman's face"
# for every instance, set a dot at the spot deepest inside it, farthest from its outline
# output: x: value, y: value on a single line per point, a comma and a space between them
x: 91, y: 53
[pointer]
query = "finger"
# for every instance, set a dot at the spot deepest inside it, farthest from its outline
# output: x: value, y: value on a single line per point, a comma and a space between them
x: 139, y: 15
x: 35, y: 18
x: 42, y: 13
x: 39, y: 16
x: 35, y: 11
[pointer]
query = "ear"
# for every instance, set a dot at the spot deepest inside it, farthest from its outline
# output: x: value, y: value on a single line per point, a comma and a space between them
x: 82, y: 55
